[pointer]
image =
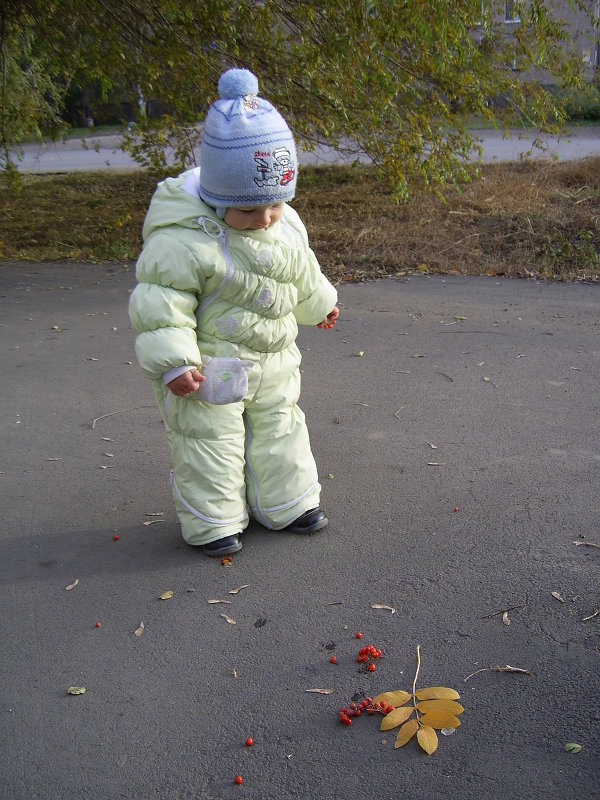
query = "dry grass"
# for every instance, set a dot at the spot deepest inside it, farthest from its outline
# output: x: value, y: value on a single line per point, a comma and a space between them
x: 520, y: 219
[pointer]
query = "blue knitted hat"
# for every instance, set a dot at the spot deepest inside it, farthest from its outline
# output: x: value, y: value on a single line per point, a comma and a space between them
x: 248, y: 155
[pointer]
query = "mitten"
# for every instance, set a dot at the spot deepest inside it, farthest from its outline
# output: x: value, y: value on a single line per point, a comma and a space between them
x: 226, y: 380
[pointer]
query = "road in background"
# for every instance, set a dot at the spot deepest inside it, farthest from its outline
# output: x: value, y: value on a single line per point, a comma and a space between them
x: 103, y: 152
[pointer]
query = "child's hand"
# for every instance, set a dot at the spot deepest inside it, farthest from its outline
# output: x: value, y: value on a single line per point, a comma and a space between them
x: 187, y: 382
x: 330, y: 319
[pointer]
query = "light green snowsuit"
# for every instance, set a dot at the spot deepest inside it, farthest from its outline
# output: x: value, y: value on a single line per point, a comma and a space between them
x: 205, y: 289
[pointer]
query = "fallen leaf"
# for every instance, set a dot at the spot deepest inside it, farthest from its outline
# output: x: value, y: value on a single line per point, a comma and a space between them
x: 591, y: 616
x: 109, y: 455
x: 397, y: 698
x: 459, y: 318
x: 427, y: 738
x: 436, y: 463
x: 440, y: 719
x: 418, y: 355
x: 213, y: 602
x: 107, y: 439
x: 406, y: 732
x: 154, y: 513
x: 319, y: 691
x: 505, y: 619
x: 396, y: 717
x: 588, y: 544
x: 166, y: 595
x: 381, y: 605
x: 234, y: 672
x: 76, y: 690
x: 230, y: 620
x: 140, y: 630
x: 437, y: 693
x: 433, y: 446
x: 54, y: 459
x: 360, y: 354
x: 508, y: 668
x: 239, y: 589
x: 558, y: 596
x: 330, y: 476
x: 573, y: 747
x: 152, y: 521
x: 72, y: 585
x: 447, y: 706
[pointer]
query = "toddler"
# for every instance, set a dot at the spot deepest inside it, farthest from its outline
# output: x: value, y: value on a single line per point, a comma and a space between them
x: 224, y: 278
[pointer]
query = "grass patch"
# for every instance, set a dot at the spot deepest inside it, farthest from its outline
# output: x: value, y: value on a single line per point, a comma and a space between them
x: 521, y: 219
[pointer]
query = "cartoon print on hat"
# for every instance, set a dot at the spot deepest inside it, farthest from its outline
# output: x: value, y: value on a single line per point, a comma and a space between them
x: 248, y: 154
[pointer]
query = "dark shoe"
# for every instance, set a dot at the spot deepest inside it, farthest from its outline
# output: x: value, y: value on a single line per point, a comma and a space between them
x: 222, y: 547
x: 310, y: 522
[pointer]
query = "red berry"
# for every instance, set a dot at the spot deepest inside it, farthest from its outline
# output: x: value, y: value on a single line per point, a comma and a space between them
x: 456, y: 508
x: 370, y: 711
x: 115, y: 537
x: 333, y: 660
x: 249, y: 741
x: 348, y: 721
x: 357, y: 712
x: 238, y: 779
x: 98, y: 624
x: 358, y: 635
x: 371, y: 667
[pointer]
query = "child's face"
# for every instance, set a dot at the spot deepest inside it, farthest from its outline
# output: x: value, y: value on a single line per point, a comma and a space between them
x: 253, y: 218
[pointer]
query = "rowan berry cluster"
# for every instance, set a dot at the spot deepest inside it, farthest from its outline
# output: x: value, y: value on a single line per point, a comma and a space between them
x: 366, y: 653
x: 366, y: 706
x: 326, y: 325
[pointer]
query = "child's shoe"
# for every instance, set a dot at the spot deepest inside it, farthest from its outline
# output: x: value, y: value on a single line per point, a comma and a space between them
x: 222, y: 547
x: 310, y: 522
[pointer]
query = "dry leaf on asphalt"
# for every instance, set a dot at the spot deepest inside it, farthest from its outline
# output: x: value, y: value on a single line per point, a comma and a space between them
x: 437, y: 693
x: 230, y: 620
x: 140, y: 630
x: 381, y: 605
x: 591, y: 616
x: 152, y: 521
x: 397, y: 698
x: 427, y: 738
x: 215, y: 601
x: 588, y: 544
x: 558, y: 596
x: 505, y: 619
x: 406, y: 732
x: 76, y: 690
x: 436, y: 463
x: 239, y: 589
x: 166, y: 595
x: 72, y: 585
x: 573, y: 747
x: 396, y: 717
x: 319, y: 691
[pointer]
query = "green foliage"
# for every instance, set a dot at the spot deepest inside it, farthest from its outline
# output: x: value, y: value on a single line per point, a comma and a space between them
x: 397, y: 81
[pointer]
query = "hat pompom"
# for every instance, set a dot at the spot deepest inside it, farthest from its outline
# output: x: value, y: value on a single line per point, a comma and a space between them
x: 237, y: 83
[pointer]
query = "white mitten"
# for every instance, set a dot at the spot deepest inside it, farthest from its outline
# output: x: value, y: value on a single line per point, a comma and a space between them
x: 226, y: 380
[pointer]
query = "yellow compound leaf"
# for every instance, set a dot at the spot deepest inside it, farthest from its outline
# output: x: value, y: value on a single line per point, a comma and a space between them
x: 427, y: 738
x: 166, y: 595
x: 450, y: 706
x: 76, y: 690
x: 397, y: 698
x: 440, y: 719
x: 396, y: 717
x: 406, y: 732
x: 437, y: 693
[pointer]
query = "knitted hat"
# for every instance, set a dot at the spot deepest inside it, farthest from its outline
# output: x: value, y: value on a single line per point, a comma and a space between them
x: 248, y: 155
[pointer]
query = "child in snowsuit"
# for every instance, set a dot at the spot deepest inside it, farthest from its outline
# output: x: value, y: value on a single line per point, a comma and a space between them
x: 224, y: 279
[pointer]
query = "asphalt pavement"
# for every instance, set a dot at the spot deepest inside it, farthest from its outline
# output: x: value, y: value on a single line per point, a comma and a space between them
x: 104, y: 153
x: 455, y: 424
